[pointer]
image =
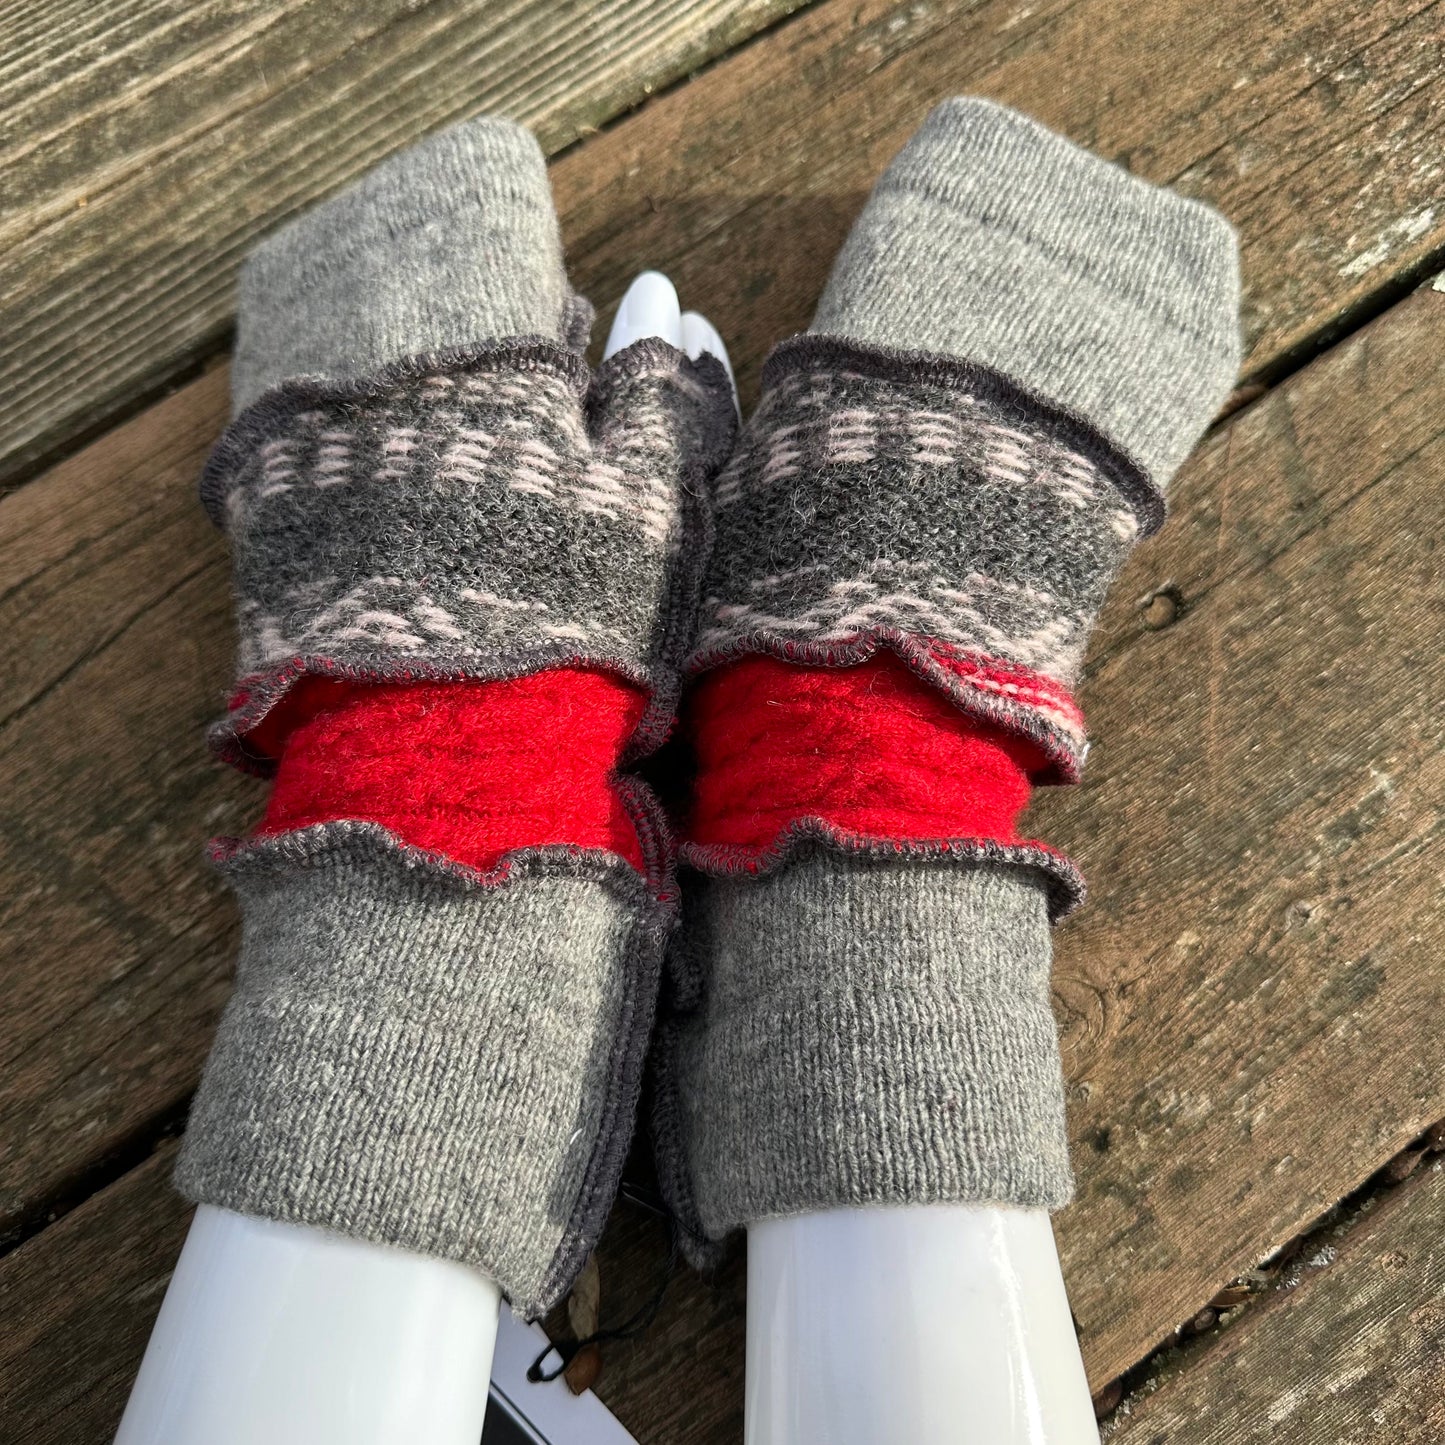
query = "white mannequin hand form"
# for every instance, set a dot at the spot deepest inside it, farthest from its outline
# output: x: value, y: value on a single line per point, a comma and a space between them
x: 937, y: 1324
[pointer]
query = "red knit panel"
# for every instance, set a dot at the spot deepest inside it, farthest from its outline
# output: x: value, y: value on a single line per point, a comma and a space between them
x: 871, y: 750
x: 470, y: 770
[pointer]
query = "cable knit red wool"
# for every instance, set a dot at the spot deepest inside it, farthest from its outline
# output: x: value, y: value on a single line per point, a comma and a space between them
x: 468, y: 770
x: 870, y: 751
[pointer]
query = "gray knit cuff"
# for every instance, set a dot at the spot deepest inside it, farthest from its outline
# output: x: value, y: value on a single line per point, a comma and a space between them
x: 451, y: 242
x: 993, y: 239
x: 410, y: 1059
x: 868, y: 1032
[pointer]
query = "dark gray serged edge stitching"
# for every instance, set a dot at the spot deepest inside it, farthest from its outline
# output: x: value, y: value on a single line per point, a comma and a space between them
x: 524, y: 353
x: 629, y: 1066
x: 682, y: 977
x: 227, y: 735
x: 655, y: 910
x: 900, y: 366
x: 670, y: 1156
x: 358, y: 841
x: 803, y: 834
x: 1065, y: 759
x: 353, y: 841
x: 578, y: 316
x: 683, y: 985
x: 625, y: 1073
x: 255, y: 423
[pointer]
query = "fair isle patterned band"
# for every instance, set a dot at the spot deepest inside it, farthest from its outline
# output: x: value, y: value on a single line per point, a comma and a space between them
x: 476, y: 514
x: 891, y: 499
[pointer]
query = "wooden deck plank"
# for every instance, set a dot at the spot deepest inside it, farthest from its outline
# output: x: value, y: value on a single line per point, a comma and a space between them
x: 1263, y: 823
x: 114, y: 623
x: 76, y: 1308
x: 1348, y: 1349
x: 114, y: 647
x: 145, y: 146
x: 56, y: 625
x: 1344, y: 1349
x: 1314, y: 129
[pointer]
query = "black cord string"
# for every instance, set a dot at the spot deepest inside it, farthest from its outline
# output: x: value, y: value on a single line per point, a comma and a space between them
x: 635, y: 1324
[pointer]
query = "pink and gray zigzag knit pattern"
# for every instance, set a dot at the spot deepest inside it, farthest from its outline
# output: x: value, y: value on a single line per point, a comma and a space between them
x: 476, y: 515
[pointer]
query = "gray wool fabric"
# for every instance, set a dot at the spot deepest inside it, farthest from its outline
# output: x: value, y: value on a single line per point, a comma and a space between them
x: 425, y: 482
x: 1017, y: 346
x: 859, y: 1018
x: 410, y: 1059
x: 449, y: 243
x: 990, y: 237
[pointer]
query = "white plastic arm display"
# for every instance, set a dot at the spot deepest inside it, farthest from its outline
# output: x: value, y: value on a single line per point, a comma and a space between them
x: 938, y: 1325
x: 276, y: 1334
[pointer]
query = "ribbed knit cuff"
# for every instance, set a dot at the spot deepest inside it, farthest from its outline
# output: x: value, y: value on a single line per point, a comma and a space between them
x: 410, y: 1059
x: 452, y: 242
x: 870, y: 1032
x: 993, y: 239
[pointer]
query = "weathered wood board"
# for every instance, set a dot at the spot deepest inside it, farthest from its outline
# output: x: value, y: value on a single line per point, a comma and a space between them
x: 77, y: 1304
x: 1316, y: 127
x: 145, y: 146
x: 1261, y: 819
x: 1349, y: 1348
x: 1251, y: 1002
x: 114, y: 623
x: 119, y: 931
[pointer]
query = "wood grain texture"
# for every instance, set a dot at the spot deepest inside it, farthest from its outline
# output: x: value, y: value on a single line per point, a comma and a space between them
x: 114, y: 653
x: 1345, y: 1349
x: 1250, y: 1002
x: 1316, y: 127
x: 1260, y: 819
x: 146, y: 144
x: 1349, y: 1349
x: 76, y: 1308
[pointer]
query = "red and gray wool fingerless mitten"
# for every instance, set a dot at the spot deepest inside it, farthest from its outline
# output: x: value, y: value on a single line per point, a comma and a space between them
x: 1018, y: 345
x: 466, y: 572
